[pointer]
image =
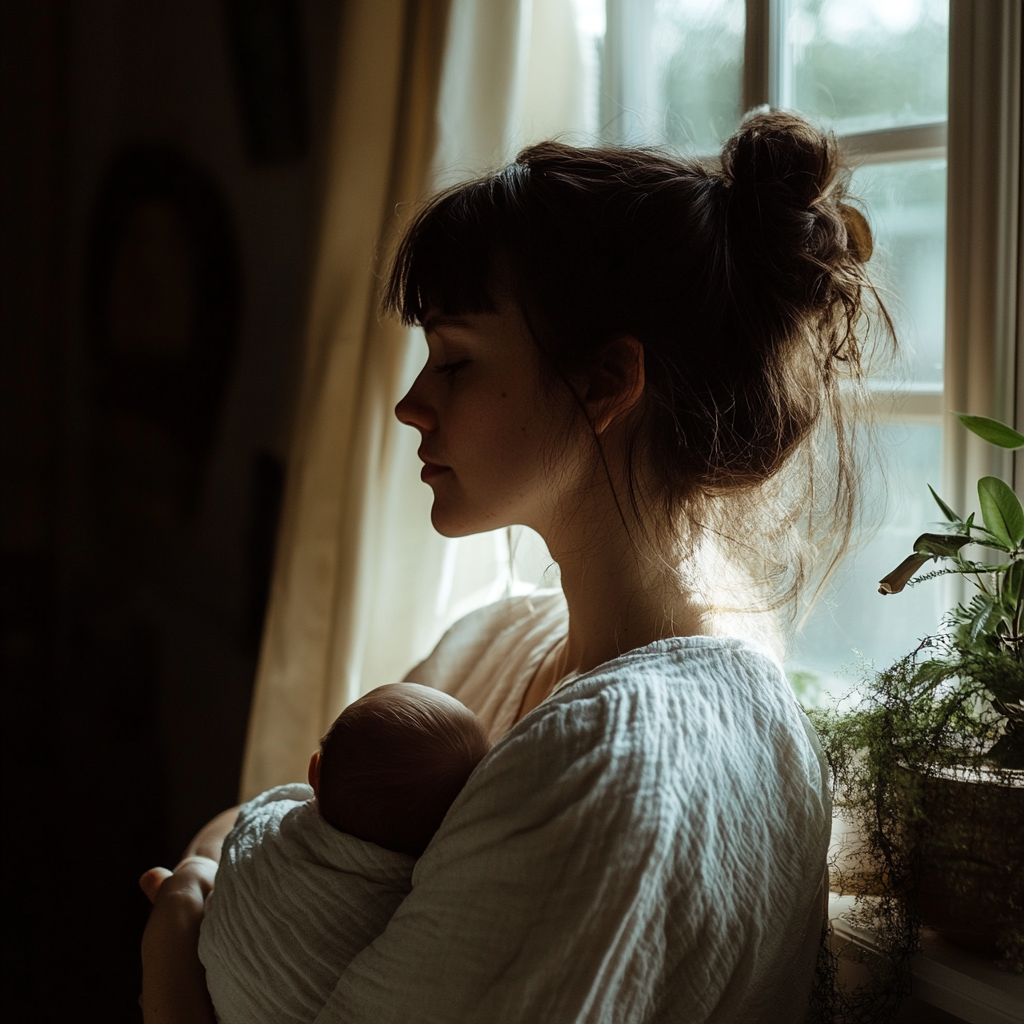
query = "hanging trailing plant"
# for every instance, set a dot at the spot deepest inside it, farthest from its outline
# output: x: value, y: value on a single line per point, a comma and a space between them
x: 928, y: 763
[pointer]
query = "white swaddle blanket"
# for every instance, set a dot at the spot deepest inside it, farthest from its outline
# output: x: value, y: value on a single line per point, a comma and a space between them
x: 295, y: 900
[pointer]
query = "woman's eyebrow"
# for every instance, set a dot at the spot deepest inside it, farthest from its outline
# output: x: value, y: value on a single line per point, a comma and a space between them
x: 434, y: 322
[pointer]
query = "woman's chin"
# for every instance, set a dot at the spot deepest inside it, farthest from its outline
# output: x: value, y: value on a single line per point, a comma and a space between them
x: 452, y: 523
x: 450, y: 527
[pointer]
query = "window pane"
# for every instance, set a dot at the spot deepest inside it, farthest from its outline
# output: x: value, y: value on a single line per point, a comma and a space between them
x: 906, y: 206
x: 697, y: 58
x: 672, y: 72
x: 851, y: 616
x: 590, y: 29
x: 869, y: 64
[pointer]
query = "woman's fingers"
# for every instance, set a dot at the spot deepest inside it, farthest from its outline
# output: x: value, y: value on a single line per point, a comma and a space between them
x: 194, y: 874
x: 192, y: 871
x: 151, y: 881
x: 173, y: 979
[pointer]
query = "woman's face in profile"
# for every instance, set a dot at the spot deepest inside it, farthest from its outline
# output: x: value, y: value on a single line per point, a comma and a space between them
x: 487, y: 424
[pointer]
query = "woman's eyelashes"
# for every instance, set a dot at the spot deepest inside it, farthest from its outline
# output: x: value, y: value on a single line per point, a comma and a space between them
x: 450, y: 369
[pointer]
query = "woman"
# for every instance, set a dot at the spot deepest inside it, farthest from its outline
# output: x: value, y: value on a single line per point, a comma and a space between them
x: 633, y: 355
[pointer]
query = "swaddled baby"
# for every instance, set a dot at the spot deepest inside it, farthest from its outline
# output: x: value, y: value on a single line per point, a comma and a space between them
x: 310, y: 875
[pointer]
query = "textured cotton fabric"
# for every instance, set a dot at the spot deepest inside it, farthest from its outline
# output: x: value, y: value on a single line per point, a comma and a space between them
x: 647, y: 845
x: 488, y: 658
x: 294, y: 901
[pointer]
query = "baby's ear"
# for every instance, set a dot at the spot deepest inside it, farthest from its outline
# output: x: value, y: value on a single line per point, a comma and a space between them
x: 314, y: 773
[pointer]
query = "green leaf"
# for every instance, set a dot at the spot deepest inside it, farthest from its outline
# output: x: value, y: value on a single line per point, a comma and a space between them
x: 1012, y: 584
x: 940, y: 545
x: 946, y: 510
x: 991, y: 430
x: 1001, y: 510
x: 987, y: 537
x: 984, y: 610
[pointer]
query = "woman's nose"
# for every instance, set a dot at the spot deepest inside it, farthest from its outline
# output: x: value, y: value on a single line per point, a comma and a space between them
x: 413, y: 411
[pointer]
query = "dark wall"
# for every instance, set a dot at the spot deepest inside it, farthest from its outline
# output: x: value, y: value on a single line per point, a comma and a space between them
x: 162, y: 167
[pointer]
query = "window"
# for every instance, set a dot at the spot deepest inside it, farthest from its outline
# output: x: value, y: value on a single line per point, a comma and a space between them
x: 682, y: 72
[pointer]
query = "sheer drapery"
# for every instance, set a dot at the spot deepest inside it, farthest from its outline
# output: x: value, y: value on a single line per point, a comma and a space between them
x: 429, y: 92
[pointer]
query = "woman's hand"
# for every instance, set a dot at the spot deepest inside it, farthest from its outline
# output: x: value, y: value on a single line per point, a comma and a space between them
x: 151, y: 881
x: 173, y: 978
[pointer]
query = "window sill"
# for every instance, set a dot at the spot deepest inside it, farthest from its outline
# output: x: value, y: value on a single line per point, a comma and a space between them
x: 947, y: 977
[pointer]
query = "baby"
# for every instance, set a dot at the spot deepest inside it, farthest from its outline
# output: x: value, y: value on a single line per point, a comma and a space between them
x: 311, y: 876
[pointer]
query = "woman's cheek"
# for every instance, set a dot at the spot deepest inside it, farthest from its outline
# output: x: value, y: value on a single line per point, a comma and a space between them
x: 499, y: 459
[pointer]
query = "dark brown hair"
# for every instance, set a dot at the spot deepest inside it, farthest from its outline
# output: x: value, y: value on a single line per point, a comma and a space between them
x: 393, y: 762
x: 744, y: 282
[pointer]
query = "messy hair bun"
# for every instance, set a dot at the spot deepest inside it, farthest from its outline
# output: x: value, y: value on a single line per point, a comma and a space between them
x: 745, y: 284
x: 790, y: 228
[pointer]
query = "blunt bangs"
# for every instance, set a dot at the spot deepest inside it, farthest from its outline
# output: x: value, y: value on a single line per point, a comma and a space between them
x: 446, y: 261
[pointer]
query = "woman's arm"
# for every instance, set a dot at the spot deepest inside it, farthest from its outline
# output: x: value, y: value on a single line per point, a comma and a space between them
x: 207, y: 842
x: 173, y: 979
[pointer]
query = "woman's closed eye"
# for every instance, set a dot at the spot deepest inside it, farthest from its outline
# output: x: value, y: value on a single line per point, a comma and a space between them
x: 452, y: 368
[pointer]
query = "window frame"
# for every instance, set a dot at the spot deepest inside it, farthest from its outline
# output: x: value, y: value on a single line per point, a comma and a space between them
x: 765, y: 84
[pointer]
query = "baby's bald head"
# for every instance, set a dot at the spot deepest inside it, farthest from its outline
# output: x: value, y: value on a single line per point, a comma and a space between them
x: 393, y: 762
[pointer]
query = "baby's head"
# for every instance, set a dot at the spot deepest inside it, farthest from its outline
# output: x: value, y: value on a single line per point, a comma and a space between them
x: 393, y: 762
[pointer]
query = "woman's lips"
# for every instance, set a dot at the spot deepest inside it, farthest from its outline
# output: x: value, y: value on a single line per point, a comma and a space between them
x: 431, y: 471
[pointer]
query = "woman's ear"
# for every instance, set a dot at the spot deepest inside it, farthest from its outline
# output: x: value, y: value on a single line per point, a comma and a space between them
x: 616, y: 382
x: 314, y: 773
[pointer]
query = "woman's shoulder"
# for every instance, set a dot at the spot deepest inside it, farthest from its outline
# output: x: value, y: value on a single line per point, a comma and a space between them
x: 683, y: 707
x: 688, y: 676
x: 650, y: 748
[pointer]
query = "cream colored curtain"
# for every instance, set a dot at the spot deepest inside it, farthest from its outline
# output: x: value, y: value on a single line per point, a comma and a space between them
x: 429, y: 92
x: 984, y: 232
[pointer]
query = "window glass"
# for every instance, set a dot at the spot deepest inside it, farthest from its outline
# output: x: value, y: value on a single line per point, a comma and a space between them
x: 851, y: 621
x: 590, y: 17
x: 697, y: 61
x: 671, y: 71
x: 867, y: 64
x: 906, y: 207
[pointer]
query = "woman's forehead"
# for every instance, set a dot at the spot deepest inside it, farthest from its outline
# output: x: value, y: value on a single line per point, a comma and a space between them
x: 434, y: 320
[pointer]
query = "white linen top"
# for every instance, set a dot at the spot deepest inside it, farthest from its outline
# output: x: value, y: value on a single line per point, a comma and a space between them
x: 647, y: 845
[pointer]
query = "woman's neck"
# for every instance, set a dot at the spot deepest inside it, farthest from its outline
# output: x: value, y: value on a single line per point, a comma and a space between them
x: 619, y: 598
x: 614, y: 606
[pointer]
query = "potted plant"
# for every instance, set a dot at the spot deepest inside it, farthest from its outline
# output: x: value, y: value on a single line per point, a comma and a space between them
x: 928, y: 763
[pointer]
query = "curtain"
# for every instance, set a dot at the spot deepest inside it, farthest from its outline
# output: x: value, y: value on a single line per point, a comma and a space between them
x: 429, y: 92
x: 984, y: 232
